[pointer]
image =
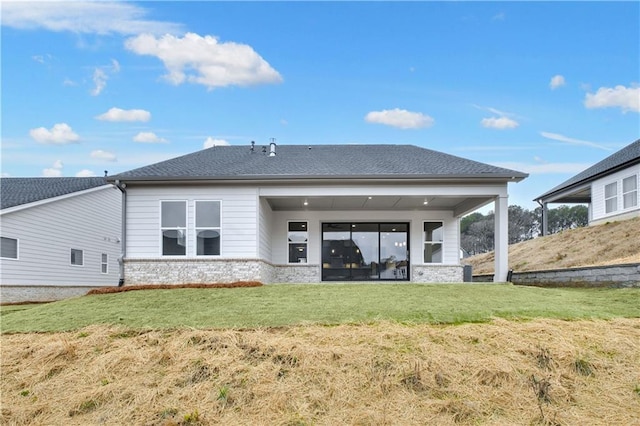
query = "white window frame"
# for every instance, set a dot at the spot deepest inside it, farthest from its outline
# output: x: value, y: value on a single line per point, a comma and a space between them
x: 196, y: 228
x: 183, y: 229
x: 634, y: 191
x: 17, y: 240
x: 306, y: 222
x: 432, y: 242
x: 71, y: 257
x: 104, y: 263
x: 613, y: 197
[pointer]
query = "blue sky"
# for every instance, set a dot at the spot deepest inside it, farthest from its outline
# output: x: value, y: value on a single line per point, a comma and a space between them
x: 546, y: 88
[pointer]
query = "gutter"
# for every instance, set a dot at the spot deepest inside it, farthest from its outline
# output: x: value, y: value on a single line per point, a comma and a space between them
x: 123, y: 241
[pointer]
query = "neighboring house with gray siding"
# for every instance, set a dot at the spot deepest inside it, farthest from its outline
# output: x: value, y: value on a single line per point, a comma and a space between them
x: 610, y: 188
x: 299, y: 213
x: 59, y: 237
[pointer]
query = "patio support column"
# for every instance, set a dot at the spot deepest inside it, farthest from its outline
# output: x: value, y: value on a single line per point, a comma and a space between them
x: 501, y: 239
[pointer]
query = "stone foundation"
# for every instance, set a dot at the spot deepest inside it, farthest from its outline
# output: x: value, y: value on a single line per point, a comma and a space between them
x: 437, y: 273
x: 21, y: 293
x: 207, y: 271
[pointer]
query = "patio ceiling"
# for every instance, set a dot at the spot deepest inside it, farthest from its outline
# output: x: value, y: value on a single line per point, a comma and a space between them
x: 460, y: 205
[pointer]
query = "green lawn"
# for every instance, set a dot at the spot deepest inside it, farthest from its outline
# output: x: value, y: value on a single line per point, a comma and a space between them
x: 287, y: 304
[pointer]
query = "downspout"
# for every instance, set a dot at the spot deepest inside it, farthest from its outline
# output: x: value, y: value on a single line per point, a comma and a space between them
x: 123, y: 241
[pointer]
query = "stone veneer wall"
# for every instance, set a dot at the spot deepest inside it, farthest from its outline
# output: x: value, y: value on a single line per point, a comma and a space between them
x: 195, y: 271
x: 436, y: 274
x: 309, y: 274
x: 22, y: 293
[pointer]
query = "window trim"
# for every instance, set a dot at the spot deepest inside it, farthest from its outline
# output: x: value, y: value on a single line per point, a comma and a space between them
x: 613, y: 197
x: 17, y: 240
x: 425, y: 242
x: 635, y: 179
x: 80, y: 265
x: 196, y: 228
x: 185, y: 229
x: 288, y: 243
x: 104, y: 263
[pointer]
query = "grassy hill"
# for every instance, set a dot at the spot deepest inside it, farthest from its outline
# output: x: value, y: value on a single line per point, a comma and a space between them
x: 607, y: 244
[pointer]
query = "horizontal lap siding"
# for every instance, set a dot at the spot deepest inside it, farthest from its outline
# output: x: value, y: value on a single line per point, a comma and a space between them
x: 239, y: 218
x: 46, y: 234
x: 264, y: 228
x: 597, y: 193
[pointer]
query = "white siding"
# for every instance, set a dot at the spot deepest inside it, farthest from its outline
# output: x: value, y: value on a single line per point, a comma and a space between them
x: 265, y: 226
x: 414, y: 218
x: 46, y: 233
x: 239, y: 219
x: 597, y: 194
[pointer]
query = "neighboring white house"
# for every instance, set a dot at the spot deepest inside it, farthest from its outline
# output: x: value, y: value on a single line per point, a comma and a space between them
x: 299, y: 213
x: 609, y: 187
x: 59, y: 237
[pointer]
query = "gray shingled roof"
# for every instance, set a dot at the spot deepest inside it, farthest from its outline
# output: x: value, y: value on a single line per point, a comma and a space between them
x: 621, y: 159
x: 317, y: 162
x: 18, y: 191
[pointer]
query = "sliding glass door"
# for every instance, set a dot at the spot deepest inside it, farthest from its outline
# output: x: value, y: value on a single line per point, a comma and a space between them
x: 365, y: 251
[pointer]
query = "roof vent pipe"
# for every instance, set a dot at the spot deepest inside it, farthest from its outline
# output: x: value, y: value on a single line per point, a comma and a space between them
x: 272, y: 148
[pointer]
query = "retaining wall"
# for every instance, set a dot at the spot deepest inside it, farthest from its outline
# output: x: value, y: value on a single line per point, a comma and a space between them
x: 626, y: 275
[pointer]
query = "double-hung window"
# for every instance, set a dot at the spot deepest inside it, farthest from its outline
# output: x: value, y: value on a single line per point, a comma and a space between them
x: 173, y: 228
x: 104, y: 263
x: 611, y: 197
x: 630, y: 192
x: 207, y: 228
x: 433, y: 238
x: 8, y: 248
x: 297, y: 240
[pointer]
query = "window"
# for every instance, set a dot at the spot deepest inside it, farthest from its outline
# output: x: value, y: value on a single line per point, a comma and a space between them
x: 77, y: 257
x: 298, y: 238
x: 104, y: 263
x: 630, y: 192
x: 208, y: 228
x: 8, y: 248
x: 433, y: 242
x: 173, y: 228
x: 611, y: 197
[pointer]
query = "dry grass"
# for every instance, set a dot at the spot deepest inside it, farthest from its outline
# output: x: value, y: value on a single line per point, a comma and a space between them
x: 236, y: 284
x: 504, y: 372
x: 607, y: 244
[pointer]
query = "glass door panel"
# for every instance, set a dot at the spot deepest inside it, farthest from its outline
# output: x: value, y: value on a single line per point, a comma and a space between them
x: 365, y: 237
x: 336, y: 251
x: 394, y: 251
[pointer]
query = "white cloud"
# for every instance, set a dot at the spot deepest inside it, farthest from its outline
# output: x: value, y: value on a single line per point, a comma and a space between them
x: 204, y: 60
x: 60, y: 134
x: 54, y: 171
x: 499, y: 123
x: 148, y: 137
x: 210, y: 142
x: 100, y: 80
x: 85, y: 173
x: 68, y: 82
x: 100, y: 76
x: 117, y: 114
x: 499, y: 17
x: 561, y: 138
x: 88, y: 17
x: 400, y: 118
x: 556, y: 81
x: 626, y: 98
x: 103, y: 155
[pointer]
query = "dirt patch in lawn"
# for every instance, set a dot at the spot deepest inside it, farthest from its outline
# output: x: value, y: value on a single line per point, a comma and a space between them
x: 611, y: 243
x: 504, y: 372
